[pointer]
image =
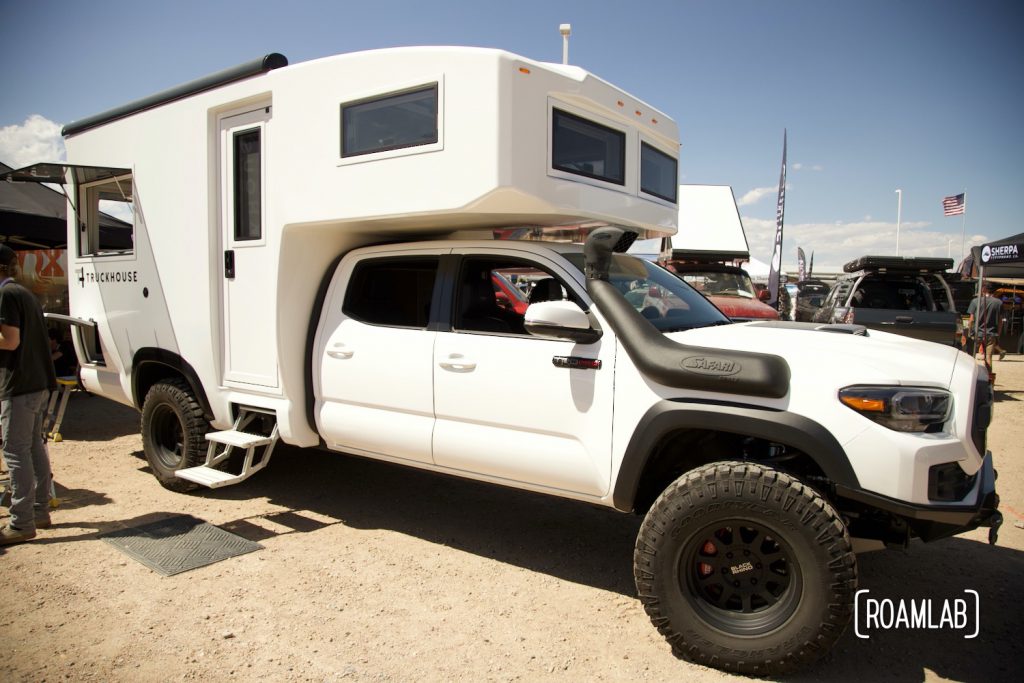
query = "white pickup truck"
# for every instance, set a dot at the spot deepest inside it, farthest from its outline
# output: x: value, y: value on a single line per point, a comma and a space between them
x: 309, y: 257
x: 755, y: 451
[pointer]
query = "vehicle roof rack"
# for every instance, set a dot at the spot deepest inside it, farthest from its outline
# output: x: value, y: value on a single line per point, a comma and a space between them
x: 904, y: 263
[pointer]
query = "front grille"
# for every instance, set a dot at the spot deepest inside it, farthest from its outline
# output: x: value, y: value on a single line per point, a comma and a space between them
x: 949, y: 483
x: 982, y: 413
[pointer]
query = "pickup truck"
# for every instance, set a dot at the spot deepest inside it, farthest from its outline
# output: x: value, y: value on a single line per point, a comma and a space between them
x: 756, y: 452
x: 905, y: 296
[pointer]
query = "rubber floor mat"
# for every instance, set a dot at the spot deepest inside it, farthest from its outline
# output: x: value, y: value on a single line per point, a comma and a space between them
x: 178, y: 544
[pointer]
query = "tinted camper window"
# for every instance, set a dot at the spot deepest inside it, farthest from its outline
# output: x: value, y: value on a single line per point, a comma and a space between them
x: 658, y: 173
x: 396, y: 121
x: 588, y: 149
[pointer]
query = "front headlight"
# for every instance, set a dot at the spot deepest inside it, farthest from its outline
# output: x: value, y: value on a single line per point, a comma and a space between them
x: 904, y: 409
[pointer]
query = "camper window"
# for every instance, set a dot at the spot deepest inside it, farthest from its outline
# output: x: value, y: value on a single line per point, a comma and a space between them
x: 392, y: 291
x: 106, y: 217
x: 588, y: 149
x: 394, y: 121
x: 659, y: 174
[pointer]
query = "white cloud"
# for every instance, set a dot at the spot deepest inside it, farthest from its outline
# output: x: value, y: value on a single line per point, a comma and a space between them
x: 756, y: 195
x: 798, y: 166
x: 836, y: 243
x: 38, y: 139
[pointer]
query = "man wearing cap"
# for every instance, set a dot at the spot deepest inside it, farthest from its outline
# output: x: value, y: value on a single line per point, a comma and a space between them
x: 26, y: 380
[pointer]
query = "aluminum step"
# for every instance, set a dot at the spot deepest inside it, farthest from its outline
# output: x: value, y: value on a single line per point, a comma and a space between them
x: 208, y: 476
x: 238, y: 439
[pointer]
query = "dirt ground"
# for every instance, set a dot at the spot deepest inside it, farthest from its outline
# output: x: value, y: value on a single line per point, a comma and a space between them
x: 374, y: 572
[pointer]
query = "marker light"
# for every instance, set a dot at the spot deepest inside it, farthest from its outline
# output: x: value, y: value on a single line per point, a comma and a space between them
x: 903, y: 409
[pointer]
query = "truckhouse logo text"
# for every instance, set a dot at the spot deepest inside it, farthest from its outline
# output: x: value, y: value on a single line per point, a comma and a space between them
x: 924, y: 614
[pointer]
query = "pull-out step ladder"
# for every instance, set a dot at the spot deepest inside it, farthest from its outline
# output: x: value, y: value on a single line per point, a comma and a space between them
x: 258, y: 448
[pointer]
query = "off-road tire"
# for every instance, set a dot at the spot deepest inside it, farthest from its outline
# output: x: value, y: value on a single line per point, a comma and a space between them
x: 173, y: 432
x: 776, y: 531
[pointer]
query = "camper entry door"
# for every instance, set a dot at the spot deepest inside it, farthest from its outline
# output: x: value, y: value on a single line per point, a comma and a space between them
x: 248, y: 267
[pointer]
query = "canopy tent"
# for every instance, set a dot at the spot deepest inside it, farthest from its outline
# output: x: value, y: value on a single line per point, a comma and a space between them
x: 1001, y: 259
x: 32, y: 216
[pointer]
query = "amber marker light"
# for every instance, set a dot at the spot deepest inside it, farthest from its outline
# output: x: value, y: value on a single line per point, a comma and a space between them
x: 523, y: 70
x: 864, y: 405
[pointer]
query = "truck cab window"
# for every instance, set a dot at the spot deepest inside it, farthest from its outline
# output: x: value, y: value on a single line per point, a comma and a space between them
x: 493, y: 294
x: 395, y: 292
x: 106, y: 214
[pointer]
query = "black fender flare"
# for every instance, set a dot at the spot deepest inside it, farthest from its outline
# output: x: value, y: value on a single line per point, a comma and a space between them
x: 148, y: 355
x: 775, y: 425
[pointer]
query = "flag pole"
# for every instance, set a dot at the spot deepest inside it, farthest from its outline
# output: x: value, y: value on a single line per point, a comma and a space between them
x: 963, y: 229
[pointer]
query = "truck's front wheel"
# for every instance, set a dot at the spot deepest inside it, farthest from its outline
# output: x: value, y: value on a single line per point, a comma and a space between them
x: 173, y: 432
x: 746, y: 569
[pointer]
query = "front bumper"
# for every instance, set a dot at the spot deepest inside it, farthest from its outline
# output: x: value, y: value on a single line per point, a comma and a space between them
x: 932, y: 522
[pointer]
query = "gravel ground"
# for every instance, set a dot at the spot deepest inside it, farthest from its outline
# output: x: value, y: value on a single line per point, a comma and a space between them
x: 374, y: 572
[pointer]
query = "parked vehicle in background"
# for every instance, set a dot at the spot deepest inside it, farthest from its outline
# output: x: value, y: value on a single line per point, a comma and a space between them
x: 897, y: 294
x: 810, y: 297
x: 727, y: 287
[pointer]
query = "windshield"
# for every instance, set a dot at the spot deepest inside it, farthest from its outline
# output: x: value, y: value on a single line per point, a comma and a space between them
x: 666, y: 301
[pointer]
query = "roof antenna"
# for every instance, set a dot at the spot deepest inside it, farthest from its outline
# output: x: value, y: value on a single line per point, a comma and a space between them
x: 565, y: 30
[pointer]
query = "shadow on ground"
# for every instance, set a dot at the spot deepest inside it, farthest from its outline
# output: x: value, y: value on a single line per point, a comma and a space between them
x: 94, y: 418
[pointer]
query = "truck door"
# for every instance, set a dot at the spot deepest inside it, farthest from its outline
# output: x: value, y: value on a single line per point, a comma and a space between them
x: 374, y: 357
x: 248, y: 267
x: 503, y: 408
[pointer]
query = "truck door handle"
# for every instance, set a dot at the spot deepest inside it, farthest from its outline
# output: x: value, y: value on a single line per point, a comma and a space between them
x: 458, y: 363
x: 340, y: 351
x: 904, y: 319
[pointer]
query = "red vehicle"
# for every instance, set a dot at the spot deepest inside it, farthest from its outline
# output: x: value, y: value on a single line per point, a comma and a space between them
x: 727, y: 287
x: 508, y: 295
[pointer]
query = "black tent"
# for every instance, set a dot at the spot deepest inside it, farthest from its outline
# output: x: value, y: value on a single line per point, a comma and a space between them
x: 32, y: 216
x: 1000, y: 259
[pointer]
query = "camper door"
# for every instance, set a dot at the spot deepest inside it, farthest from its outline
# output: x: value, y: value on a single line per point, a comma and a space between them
x: 248, y: 266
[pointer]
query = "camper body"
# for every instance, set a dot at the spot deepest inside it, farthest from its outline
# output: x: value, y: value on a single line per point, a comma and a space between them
x: 313, y: 262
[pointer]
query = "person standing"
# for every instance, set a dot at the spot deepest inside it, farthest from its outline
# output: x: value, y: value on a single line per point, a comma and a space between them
x: 26, y: 380
x: 985, y: 314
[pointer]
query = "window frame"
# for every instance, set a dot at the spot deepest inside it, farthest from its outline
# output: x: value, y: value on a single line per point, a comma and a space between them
x: 437, y: 84
x: 555, y: 109
x: 88, y: 221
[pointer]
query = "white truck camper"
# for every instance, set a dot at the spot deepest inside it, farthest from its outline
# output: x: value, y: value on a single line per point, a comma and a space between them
x: 313, y: 259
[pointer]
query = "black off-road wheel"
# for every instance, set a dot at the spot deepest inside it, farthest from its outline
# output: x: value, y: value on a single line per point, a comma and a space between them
x: 173, y: 432
x: 745, y: 569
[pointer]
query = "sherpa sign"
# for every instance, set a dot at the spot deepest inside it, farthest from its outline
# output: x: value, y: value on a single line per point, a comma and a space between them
x: 1000, y: 253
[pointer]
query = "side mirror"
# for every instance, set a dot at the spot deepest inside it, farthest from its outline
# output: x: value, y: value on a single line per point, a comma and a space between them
x: 560, y: 320
x: 763, y: 295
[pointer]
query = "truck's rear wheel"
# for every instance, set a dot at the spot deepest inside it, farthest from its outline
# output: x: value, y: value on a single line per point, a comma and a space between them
x: 745, y: 569
x: 173, y: 432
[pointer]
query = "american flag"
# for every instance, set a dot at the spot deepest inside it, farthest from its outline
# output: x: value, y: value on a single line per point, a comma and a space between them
x: 953, y: 205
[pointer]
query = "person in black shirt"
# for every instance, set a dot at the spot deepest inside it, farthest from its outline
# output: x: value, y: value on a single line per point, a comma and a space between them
x: 26, y: 380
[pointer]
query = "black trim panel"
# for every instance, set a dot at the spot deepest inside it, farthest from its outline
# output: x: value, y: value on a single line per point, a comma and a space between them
x: 778, y: 426
x: 230, y: 75
x: 314, y: 322
x: 177, y: 363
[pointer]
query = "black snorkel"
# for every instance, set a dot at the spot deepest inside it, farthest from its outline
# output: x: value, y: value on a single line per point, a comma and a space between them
x: 665, y: 361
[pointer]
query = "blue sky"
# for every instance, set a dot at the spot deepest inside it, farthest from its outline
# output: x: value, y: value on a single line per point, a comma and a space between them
x: 922, y: 95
